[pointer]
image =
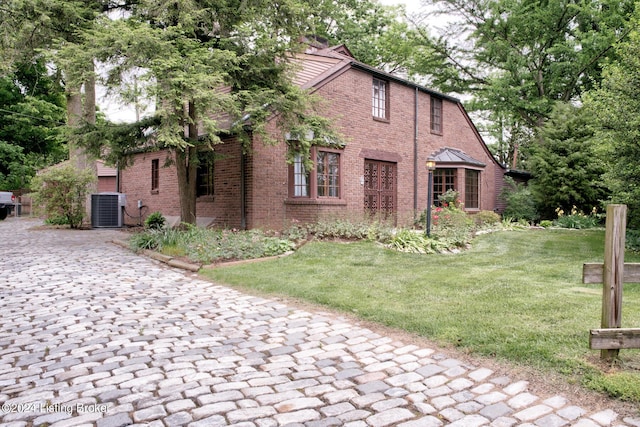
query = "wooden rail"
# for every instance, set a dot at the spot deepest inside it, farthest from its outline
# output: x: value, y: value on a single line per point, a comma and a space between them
x: 594, y: 272
x: 614, y: 339
x: 613, y: 273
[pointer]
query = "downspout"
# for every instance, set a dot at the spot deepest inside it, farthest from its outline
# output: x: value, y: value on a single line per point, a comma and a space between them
x: 415, y: 154
x: 118, y: 176
x: 243, y: 196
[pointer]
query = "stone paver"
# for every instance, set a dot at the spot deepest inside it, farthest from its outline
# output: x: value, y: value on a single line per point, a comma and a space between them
x: 92, y: 334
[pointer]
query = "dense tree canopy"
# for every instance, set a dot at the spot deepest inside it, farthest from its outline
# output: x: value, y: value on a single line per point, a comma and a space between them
x: 517, y: 58
x: 32, y: 114
x: 567, y: 170
x: 375, y: 34
x: 615, y: 105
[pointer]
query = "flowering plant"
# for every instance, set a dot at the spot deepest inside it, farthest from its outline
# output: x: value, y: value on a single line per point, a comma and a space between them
x: 451, y: 199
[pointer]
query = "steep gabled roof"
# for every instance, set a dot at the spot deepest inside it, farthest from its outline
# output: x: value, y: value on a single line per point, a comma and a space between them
x: 318, y: 65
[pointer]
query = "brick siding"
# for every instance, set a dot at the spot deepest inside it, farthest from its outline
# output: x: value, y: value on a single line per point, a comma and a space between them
x: 348, y: 101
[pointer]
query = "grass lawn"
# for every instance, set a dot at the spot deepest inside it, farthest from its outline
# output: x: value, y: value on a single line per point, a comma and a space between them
x: 515, y: 295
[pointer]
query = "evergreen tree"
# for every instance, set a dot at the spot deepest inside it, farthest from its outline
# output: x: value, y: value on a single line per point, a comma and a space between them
x: 567, y: 169
x: 212, y: 67
x: 615, y: 104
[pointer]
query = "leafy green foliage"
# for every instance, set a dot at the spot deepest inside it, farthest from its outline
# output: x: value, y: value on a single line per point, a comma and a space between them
x: 520, y: 57
x: 364, y: 229
x: 32, y: 108
x: 632, y: 240
x: 452, y: 225
x: 372, y: 32
x: 486, y: 219
x: 416, y: 242
x: 566, y: 167
x: 578, y: 219
x: 520, y: 202
x: 615, y: 106
x: 450, y: 198
x: 208, y: 245
x: 155, y: 221
x: 61, y: 193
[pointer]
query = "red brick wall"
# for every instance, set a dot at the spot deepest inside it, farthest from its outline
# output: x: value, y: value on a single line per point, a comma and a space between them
x: 377, y: 140
x: 348, y: 102
x: 135, y: 182
x: 224, y: 207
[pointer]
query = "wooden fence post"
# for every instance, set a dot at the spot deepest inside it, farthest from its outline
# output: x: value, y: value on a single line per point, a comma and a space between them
x: 613, y: 271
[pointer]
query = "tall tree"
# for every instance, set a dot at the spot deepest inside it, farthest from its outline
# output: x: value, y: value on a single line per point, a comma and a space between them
x: 32, y: 114
x: 213, y: 67
x: 615, y: 104
x: 519, y: 57
x: 377, y: 35
x: 35, y: 30
x: 566, y: 166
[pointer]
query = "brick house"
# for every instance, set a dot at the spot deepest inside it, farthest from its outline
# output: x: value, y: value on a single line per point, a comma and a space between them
x: 391, y: 126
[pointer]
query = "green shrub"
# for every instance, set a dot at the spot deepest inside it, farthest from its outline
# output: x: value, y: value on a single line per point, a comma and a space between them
x: 519, y: 200
x: 486, y: 218
x: 452, y: 225
x: 150, y: 240
x: 56, y: 220
x: 546, y: 223
x: 413, y: 241
x: 155, y: 221
x: 208, y: 245
x: 577, y: 219
x: 363, y: 229
x: 633, y: 240
x: 450, y: 198
x: 61, y: 193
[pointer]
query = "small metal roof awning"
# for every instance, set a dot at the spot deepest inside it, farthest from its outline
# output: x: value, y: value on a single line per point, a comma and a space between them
x: 451, y: 155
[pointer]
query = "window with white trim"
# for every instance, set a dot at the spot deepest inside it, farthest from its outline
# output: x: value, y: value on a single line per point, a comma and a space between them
x: 379, y: 99
x: 322, y: 182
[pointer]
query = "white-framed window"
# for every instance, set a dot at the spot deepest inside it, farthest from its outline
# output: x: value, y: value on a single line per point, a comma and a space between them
x: 380, y: 106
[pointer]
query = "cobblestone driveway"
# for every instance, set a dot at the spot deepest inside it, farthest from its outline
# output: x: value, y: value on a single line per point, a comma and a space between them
x: 92, y: 334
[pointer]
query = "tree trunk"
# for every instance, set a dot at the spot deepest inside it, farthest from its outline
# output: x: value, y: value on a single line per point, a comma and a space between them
x: 77, y: 112
x: 74, y: 119
x: 187, y: 165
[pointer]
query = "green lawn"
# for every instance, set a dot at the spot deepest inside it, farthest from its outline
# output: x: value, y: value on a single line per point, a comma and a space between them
x: 515, y: 295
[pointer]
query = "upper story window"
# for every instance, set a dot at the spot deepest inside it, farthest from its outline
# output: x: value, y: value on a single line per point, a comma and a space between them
x: 436, y: 115
x: 155, y: 174
x: 380, y: 108
x: 321, y: 182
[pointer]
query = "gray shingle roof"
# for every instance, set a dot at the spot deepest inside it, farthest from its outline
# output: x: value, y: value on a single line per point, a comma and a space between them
x: 451, y: 155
